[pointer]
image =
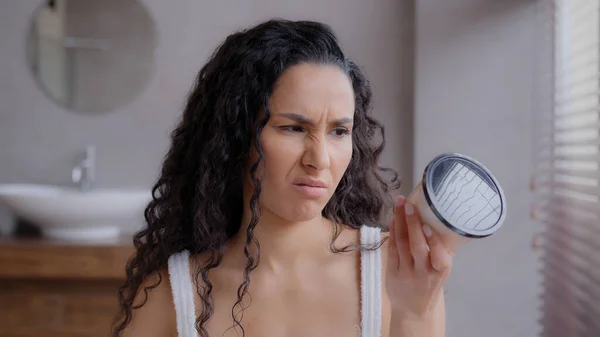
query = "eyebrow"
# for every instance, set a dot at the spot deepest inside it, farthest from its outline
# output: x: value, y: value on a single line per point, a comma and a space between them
x: 303, y: 120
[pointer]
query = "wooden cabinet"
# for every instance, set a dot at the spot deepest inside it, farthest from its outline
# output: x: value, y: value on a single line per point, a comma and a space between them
x: 50, y: 288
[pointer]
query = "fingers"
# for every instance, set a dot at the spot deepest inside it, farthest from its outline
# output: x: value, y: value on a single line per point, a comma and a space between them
x: 418, y: 243
x: 415, y: 245
x: 401, y: 233
x: 440, y: 259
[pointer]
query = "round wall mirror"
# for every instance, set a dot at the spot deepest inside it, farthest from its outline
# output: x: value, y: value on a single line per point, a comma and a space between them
x: 91, y: 56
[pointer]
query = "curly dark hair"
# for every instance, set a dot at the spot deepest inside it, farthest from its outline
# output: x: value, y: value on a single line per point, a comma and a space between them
x: 197, y: 202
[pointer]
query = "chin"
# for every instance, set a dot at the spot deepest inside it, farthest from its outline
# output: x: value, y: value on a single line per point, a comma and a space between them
x: 304, y: 211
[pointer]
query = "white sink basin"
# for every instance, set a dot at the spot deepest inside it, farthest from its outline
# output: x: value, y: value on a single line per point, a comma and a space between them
x: 67, y: 213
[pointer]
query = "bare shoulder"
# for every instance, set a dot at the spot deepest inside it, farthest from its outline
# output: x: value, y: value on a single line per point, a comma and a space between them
x: 384, y: 252
x: 386, y: 310
x: 156, y: 316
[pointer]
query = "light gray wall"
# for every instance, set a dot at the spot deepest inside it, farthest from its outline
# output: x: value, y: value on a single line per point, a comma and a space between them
x: 41, y: 142
x: 474, y: 93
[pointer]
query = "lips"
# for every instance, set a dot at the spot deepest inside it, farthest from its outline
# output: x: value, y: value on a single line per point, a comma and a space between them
x: 309, y: 182
x: 312, y: 188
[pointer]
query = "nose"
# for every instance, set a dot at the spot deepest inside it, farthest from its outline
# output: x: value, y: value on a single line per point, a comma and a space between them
x: 316, y: 155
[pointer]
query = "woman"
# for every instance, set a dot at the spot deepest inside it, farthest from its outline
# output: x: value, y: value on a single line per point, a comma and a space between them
x: 266, y: 216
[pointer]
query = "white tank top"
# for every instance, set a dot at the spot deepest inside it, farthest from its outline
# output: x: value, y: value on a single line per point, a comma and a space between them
x: 370, y: 288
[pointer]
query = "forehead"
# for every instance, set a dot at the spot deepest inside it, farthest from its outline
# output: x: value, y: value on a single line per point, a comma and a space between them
x: 313, y: 88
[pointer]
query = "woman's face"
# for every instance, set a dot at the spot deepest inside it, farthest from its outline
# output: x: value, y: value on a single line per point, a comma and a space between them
x: 307, y: 142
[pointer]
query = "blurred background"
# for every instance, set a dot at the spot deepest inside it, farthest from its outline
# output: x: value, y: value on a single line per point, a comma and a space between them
x: 91, y: 89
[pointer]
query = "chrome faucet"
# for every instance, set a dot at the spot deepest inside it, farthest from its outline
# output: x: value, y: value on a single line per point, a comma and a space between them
x: 84, y: 173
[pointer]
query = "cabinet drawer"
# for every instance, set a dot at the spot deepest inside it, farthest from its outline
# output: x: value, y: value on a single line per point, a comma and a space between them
x: 53, y: 308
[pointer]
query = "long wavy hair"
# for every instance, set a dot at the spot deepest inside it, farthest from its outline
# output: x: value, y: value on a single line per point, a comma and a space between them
x: 197, y: 202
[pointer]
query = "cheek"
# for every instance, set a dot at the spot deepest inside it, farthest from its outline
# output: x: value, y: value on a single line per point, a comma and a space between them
x: 342, y: 154
x: 280, y: 154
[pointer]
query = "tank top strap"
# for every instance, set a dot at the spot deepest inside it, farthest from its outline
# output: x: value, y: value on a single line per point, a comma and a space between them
x: 183, y: 293
x: 371, y: 292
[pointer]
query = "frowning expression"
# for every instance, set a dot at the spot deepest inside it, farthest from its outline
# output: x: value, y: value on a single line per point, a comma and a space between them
x: 307, y: 142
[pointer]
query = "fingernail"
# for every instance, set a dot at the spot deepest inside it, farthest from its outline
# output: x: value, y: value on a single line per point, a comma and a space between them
x: 400, y: 201
x: 427, y: 230
x: 409, y: 209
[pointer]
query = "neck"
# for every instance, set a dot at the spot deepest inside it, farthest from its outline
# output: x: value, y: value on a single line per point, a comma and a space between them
x: 284, y: 244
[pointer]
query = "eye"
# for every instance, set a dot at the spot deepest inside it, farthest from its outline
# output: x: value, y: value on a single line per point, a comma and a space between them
x: 340, y: 132
x: 292, y: 128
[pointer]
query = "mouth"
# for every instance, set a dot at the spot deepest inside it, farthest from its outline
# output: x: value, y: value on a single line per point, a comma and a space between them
x: 308, y: 182
x: 311, y: 187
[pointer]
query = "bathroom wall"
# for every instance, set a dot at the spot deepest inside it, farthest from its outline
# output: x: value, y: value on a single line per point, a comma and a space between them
x: 476, y: 67
x: 42, y: 142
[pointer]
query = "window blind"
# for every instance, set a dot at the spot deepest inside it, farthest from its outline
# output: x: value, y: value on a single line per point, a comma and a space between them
x: 566, y: 180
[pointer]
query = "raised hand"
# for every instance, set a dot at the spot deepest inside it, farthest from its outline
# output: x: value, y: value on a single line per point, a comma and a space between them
x: 418, y: 265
